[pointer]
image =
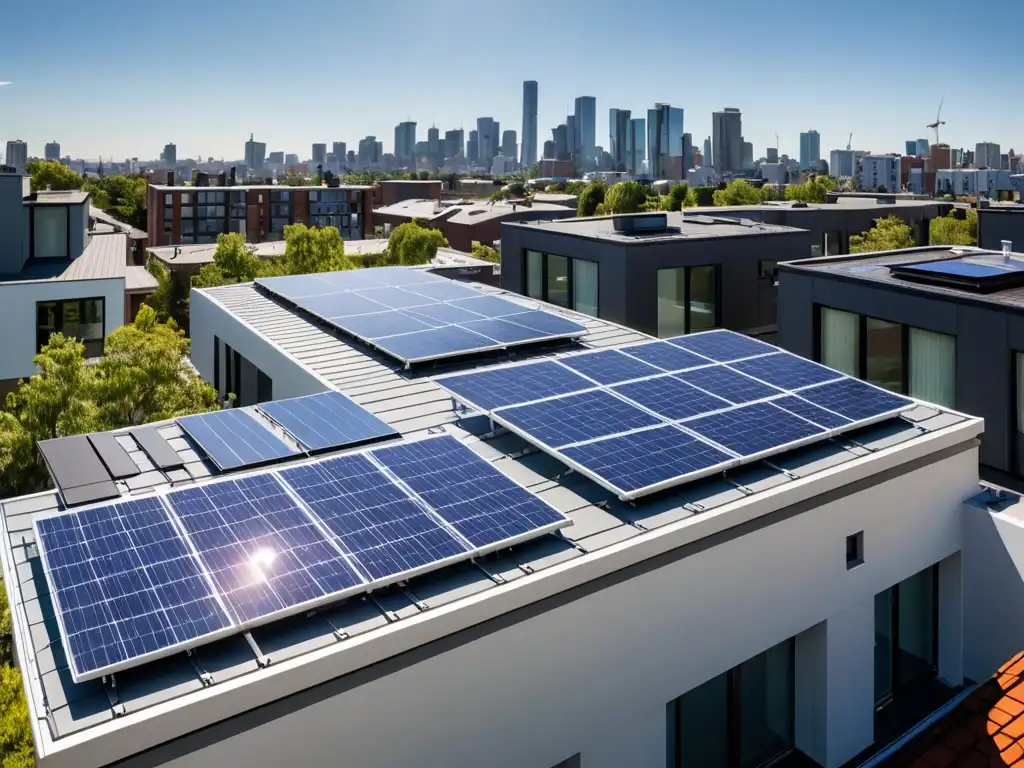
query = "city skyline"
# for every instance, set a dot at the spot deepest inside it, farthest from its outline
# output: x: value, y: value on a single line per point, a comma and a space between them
x: 55, y: 97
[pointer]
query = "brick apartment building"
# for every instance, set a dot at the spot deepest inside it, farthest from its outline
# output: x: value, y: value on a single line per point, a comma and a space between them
x: 183, y: 215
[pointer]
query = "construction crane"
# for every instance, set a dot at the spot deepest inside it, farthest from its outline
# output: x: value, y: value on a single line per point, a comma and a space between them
x: 849, y: 141
x: 938, y: 121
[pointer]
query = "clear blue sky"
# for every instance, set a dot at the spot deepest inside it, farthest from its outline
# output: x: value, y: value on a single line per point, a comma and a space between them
x: 123, y: 77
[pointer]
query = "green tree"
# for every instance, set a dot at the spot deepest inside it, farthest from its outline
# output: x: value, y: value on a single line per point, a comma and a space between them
x: 679, y: 197
x: 888, y: 234
x: 295, y: 179
x: 6, y: 628
x: 485, y: 252
x: 170, y: 299
x: 49, y: 174
x: 737, y: 192
x: 124, y: 197
x: 953, y: 230
x: 555, y: 188
x: 233, y: 262
x: 312, y: 249
x: 814, y: 190
x: 411, y: 244
x: 573, y: 187
x: 16, y: 748
x: 626, y: 197
x: 589, y: 198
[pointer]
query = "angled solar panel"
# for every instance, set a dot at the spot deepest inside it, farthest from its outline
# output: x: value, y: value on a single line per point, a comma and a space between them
x: 233, y: 438
x: 326, y: 420
x: 415, y: 316
x: 730, y: 399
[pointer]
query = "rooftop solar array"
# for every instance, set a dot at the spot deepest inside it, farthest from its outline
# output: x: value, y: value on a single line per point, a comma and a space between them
x: 415, y: 316
x: 643, y: 418
x: 326, y: 420
x: 981, y: 272
x: 139, y: 579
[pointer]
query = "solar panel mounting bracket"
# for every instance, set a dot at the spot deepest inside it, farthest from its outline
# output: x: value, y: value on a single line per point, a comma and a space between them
x: 415, y: 600
x: 782, y: 470
x: 262, y: 661
x: 694, y: 507
x: 205, y: 678
x: 110, y: 688
x: 495, y: 577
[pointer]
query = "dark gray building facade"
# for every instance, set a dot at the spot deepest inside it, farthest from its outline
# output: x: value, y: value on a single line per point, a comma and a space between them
x: 957, y: 348
x: 663, y: 274
x: 998, y: 222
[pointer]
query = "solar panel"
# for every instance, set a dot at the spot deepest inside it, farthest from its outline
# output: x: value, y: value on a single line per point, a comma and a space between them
x: 855, y: 399
x: 265, y: 555
x: 512, y: 385
x: 158, y: 449
x: 763, y: 402
x: 76, y: 470
x: 754, y: 430
x: 643, y: 462
x: 233, y: 438
x: 484, y: 506
x: 667, y: 357
x: 452, y: 318
x: 125, y: 586
x: 609, y: 366
x: 575, y: 418
x: 722, y: 346
x: 786, y: 371
x: 963, y: 268
x: 326, y: 420
x: 385, y: 532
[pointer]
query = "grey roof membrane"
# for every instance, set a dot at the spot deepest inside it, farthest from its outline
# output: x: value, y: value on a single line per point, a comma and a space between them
x: 413, y: 404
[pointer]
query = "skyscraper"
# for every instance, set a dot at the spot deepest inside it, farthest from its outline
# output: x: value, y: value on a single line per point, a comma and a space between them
x: 473, y: 147
x: 340, y: 152
x: 665, y: 142
x: 52, y: 151
x: 16, y: 154
x: 636, y: 146
x: 618, y: 138
x: 454, y: 144
x: 924, y: 148
x: 169, y: 155
x: 570, y: 135
x: 529, y: 148
x: 405, y: 142
x: 255, y: 154
x: 687, y: 153
x: 560, y: 136
x: 487, y: 139
x: 987, y: 155
x: 727, y: 136
x: 508, y: 144
x: 707, y: 158
x: 585, y: 128
x: 319, y: 154
x: 810, y: 149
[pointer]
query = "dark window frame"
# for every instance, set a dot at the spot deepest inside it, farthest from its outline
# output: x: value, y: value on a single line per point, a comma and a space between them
x: 900, y: 686
x: 570, y: 276
x: 717, y: 271
x: 58, y: 314
x: 862, y: 343
x: 216, y: 364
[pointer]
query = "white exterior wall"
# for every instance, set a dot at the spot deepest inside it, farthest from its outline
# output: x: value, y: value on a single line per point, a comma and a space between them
x: 207, y: 318
x: 877, y: 171
x: 18, y: 316
x: 594, y: 676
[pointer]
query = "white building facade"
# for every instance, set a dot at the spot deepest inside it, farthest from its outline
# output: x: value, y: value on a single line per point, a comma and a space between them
x: 879, y: 173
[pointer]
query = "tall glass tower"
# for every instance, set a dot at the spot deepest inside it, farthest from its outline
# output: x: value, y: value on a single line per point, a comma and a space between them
x: 529, y: 141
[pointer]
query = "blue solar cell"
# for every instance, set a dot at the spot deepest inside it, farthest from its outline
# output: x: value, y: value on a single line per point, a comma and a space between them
x: 786, y: 371
x: 354, y: 279
x: 339, y: 305
x: 574, y: 418
x: 608, y: 366
x: 381, y: 324
x: 264, y: 553
x: 444, y: 313
x: 728, y: 384
x: 296, y: 286
x: 467, y: 492
x: 546, y: 324
x: 498, y: 387
x: 501, y: 330
x: 855, y: 399
x: 372, y: 519
x: 326, y: 420
x: 670, y: 397
x: 753, y: 429
x: 963, y: 268
x: 641, y: 462
x: 443, y: 290
x: 665, y: 356
x: 722, y: 346
x: 490, y: 306
x: 435, y: 344
x: 396, y: 298
x: 124, y: 585
x: 398, y: 276
x: 811, y: 412
x: 233, y: 438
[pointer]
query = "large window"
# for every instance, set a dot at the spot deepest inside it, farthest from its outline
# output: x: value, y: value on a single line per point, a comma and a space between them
x: 740, y: 719
x: 50, y: 232
x: 569, y: 283
x: 906, y: 633
x: 900, y: 358
x: 687, y: 300
x: 81, y: 318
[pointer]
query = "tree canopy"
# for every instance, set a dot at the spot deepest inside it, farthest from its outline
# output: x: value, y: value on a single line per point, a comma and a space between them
x: 124, y: 197
x: 814, y: 190
x: 738, y: 192
x: 144, y: 376
x: 410, y: 244
x: 294, y: 179
x: 680, y: 196
x: 16, y: 748
x: 953, y: 230
x: 50, y: 174
x: 589, y: 198
x: 233, y: 262
x: 485, y: 252
x: 704, y: 196
x: 888, y: 234
x: 626, y: 197
x: 312, y: 249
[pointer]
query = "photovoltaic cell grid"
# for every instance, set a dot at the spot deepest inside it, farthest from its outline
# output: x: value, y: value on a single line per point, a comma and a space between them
x: 233, y: 438
x: 136, y: 580
x: 326, y: 420
x: 715, y: 400
x: 415, y: 316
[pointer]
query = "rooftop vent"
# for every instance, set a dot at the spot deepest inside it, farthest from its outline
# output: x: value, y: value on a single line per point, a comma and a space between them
x: 640, y: 223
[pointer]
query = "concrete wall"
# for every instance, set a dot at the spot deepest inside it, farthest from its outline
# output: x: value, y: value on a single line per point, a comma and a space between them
x: 18, y: 316
x: 628, y: 273
x: 993, y: 584
x: 593, y: 676
x: 209, y: 319
x: 14, y: 229
x: 985, y: 340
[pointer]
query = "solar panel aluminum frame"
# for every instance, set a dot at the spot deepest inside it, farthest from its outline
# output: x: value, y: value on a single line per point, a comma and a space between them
x: 135, y: 661
x: 496, y: 347
x: 366, y: 587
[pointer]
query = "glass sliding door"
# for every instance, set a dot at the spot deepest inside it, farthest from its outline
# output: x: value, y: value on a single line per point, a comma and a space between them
x: 840, y: 340
x: 883, y: 644
x: 558, y: 280
x: 883, y: 362
x: 906, y: 634
x: 535, y: 275
x: 671, y: 302
x: 584, y: 286
x: 703, y: 299
x: 932, y: 367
